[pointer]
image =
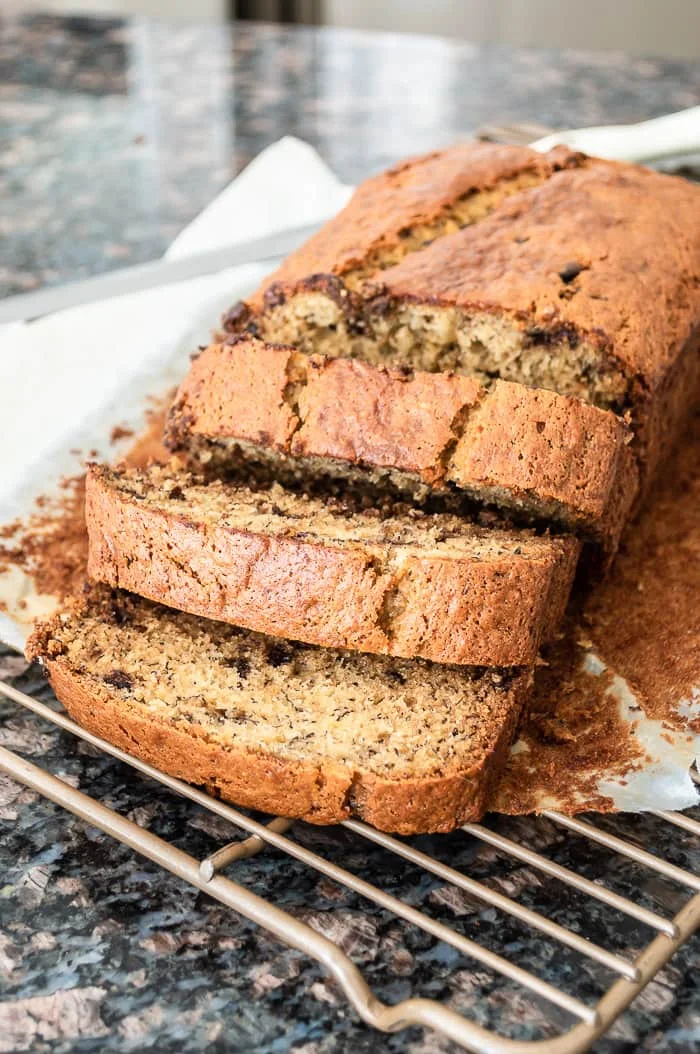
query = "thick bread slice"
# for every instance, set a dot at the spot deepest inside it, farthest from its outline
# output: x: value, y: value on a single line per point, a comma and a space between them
x: 285, y: 728
x: 586, y: 283
x: 411, y: 584
x: 524, y: 450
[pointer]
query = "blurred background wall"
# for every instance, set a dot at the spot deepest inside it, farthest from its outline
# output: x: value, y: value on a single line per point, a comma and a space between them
x: 655, y: 27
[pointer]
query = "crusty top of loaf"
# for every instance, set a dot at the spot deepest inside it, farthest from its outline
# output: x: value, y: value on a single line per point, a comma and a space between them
x: 582, y: 250
x: 415, y: 191
x: 609, y: 250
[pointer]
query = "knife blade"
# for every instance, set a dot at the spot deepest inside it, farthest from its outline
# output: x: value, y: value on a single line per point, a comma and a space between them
x: 28, y: 306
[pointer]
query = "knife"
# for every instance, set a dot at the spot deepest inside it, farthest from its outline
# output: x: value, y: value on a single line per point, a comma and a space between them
x: 673, y: 135
x: 27, y: 306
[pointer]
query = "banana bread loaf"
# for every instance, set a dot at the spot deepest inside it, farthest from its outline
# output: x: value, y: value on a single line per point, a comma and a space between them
x: 285, y: 728
x: 584, y: 280
x: 408, y: 584
x: 526, y: 451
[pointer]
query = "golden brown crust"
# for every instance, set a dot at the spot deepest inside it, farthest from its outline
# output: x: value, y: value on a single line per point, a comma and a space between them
x: 363, y: 414
x: 384, y: 209
x: 322, y: 793
x: 610, y: 251
x: 558, y: 448
x: 343, y: 408
x: 265, y: 417
x: 599, y: 257
x: 443, y: 428
x: 475, y: 608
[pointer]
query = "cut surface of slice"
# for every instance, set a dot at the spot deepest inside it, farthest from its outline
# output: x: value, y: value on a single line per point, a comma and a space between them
x: 527, y: 451
x: 406, y: 584
x: 286, y: 728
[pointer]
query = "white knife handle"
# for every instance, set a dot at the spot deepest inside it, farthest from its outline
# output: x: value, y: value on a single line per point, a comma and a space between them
x: 670, y: 136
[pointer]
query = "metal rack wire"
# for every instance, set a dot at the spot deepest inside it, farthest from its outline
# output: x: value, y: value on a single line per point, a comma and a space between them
x: 588, y: 1021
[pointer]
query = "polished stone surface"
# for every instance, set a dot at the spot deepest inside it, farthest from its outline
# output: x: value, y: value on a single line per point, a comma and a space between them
x: 114, y: 136
x: 117, y: 134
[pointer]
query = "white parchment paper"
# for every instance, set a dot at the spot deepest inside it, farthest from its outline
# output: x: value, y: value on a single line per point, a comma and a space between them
x: 67, y: 380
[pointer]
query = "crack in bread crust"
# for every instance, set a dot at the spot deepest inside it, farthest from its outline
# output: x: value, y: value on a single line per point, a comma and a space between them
x: 400, y: 211
x: 297, y: 373
x: 470, y: 207
x: 458, y: 431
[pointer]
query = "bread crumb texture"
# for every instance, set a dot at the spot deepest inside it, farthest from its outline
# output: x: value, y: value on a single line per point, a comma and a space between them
x: 335, y: 732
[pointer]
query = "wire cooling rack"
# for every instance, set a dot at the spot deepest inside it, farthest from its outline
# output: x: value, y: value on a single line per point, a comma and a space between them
x: 585, y: 1021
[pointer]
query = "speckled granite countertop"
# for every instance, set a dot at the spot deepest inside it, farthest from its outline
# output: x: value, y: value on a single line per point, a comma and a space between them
x: 115, y: 136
